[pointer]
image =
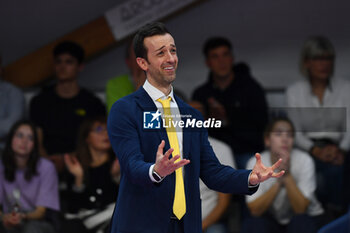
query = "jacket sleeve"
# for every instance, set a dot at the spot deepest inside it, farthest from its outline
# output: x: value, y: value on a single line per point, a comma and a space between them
x: 220, y: 177
x: 125, y: 140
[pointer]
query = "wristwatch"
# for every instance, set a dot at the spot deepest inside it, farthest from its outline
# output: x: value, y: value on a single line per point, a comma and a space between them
x: 158, y: 178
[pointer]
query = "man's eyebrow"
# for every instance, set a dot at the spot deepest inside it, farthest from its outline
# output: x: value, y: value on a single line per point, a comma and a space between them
x: 172, y: 45
x: 160, y: 48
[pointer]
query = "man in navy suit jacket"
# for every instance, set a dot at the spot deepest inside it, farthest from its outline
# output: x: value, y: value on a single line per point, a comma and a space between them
x: 146, y: 192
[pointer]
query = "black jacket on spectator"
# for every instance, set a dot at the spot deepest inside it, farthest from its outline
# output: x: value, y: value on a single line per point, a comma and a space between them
x: 246, y: 108
x: 100, y: 189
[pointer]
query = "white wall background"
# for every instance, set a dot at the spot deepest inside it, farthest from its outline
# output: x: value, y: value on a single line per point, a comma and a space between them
x: 266, y: 34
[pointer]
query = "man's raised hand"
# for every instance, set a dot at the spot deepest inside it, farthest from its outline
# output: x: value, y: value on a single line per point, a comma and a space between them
x: 261, y: 173
x: 165, y: 166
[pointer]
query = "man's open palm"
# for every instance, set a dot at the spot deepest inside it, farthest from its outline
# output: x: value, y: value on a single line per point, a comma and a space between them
x: 261, y: 173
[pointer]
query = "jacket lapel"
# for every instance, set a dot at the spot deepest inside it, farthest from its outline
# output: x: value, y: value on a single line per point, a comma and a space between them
x: 146, y: 104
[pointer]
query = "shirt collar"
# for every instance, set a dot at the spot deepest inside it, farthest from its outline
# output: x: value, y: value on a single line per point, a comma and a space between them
x: 155, y: 93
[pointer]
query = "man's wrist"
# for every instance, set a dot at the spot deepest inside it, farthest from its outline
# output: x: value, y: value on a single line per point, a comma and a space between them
x: 154, y: 176
x: 250, y: 185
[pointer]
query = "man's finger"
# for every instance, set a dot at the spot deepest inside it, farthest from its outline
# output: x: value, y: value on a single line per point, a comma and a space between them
x: 276, y: 165
x: 270, y: 174
x: 161, y: 147
x: 258, y: 158
x: 279, y: 174
x: 181, y: 163
x: 168, y: 153
x: 258, y: 175
x: 174, y: 158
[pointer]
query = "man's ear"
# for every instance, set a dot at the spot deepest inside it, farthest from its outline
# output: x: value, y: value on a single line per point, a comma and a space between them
x: 142, y: 63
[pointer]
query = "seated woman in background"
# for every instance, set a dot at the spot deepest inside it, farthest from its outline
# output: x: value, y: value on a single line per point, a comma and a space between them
x: 95, y: 172
x: 287, y: 204
x: 319, y: 107
x: 28, y: 183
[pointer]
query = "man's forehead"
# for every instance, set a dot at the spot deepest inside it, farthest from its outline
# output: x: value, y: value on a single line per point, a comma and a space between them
x: 65, y: 56
x: 220, y: 49
x: 158, y: 41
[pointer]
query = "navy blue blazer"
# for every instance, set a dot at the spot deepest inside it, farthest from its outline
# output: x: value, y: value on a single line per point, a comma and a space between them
x: 144, y: 206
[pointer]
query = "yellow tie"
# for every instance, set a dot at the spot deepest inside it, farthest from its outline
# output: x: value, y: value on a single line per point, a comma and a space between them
x: 179, y: 206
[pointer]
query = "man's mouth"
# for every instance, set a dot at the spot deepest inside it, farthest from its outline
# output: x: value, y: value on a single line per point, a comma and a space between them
x: 169, y: 68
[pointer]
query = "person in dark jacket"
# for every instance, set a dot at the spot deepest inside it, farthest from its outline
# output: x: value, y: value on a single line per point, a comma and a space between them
x: 232, y: 95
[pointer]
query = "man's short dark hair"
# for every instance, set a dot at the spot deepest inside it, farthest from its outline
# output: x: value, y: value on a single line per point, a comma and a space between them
x: 71, y: 48
x: 150, y: 29
x: 215, y: 42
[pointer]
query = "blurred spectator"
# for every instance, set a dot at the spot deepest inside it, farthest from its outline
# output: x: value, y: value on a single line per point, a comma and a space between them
x: 58, y: 110
x: 28, y: 183
x: 320, y: 109
x: 287, y: 204
x: 233, y: 96
x: 12, y: 107
x: 95, y: 172
x: 214, y: 204
x: 123, y: 85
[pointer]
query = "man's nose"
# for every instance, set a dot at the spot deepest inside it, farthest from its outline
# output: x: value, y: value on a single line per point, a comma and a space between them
x: 170, y: 57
